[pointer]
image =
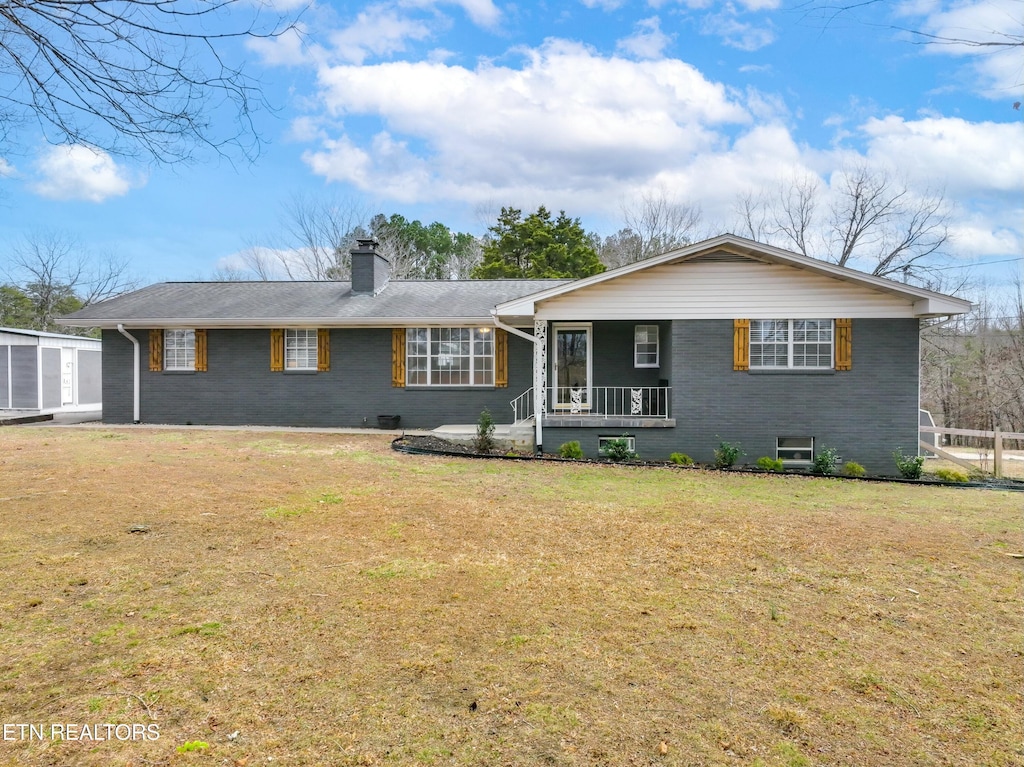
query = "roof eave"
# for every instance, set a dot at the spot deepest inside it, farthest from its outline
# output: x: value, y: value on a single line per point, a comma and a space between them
x: 209, y: 323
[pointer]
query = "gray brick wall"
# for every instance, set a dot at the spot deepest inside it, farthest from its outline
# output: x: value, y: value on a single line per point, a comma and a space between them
x: 239, y: 387
x: 865, y: 413
x: 613, y: 354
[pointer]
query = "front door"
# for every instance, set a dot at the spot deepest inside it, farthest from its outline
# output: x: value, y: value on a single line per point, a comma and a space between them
x: 67, y: 376
x: 572, y: 367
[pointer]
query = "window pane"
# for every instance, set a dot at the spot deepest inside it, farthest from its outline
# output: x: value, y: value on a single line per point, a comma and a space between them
x: 449, y: 356
x: 300, y: 349
x: 179, y: 350
x: 645, y: 345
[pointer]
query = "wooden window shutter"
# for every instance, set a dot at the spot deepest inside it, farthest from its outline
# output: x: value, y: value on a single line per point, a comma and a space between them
x: 200, y: 351
x: 500, y: 358
x: 276, y: 350
x: 156, y: 350
x: 844, y: 344
x: 398, y: 357
x: 323, y: 350
x: 741, y: 345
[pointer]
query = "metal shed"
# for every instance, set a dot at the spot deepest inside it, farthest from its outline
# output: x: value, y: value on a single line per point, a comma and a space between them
x: 49, y: 372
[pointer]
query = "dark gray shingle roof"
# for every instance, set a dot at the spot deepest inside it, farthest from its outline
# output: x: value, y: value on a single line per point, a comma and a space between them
x: 328, y: 303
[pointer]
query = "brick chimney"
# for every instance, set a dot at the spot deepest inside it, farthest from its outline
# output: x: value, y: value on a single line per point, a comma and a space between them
x: 370, y: 270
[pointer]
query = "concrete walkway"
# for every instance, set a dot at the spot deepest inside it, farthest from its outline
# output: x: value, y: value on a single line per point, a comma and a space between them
x: 92, y: 420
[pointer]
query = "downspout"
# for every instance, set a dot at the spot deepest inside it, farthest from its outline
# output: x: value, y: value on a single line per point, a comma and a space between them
x: 135, y: 342
x: 537, y: 412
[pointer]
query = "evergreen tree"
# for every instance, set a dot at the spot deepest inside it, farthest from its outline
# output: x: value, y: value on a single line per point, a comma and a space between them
x: 537, y: 247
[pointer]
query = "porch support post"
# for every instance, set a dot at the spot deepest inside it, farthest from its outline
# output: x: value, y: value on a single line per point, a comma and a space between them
x: 540, y: 378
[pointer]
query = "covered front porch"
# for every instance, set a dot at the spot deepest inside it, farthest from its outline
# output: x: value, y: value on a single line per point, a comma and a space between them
x: 604, y: 374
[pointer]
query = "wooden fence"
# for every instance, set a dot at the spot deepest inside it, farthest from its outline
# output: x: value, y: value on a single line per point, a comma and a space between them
x: 997, y: 438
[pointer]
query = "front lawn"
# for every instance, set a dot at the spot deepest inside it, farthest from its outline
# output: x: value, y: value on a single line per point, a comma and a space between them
x: 311, y: 599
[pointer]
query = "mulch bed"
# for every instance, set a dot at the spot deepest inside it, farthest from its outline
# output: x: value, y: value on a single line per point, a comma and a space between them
x: 430, y: 445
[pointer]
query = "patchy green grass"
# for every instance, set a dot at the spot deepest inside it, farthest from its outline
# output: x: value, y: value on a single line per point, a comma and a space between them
x: 320, y: 600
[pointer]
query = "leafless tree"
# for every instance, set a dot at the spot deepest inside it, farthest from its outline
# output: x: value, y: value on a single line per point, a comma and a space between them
x: 131, y: 76
x: 652, y: 224
x: 972, y: 368
x: 874, y: 222
x: 316, y: 237
x: 57, y: 276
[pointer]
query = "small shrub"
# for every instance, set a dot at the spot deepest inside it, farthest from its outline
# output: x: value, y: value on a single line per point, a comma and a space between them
x: 726, y: 454
x: 853, y: 469
x: 570, y: 450
x: 767, y: 463
x: 952, y: 475
x: 825, y: 460
x: 910, y: 466
x: 618, y: 450
x: 193, y: 745
x: 681, y: 459
x: 484, y: 442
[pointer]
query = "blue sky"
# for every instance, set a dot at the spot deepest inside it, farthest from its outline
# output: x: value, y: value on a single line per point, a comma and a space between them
x: 449, y: 110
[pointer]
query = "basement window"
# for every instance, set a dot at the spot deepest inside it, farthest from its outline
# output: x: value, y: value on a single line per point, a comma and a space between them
x: 602, y: 442
x: 795, y: 451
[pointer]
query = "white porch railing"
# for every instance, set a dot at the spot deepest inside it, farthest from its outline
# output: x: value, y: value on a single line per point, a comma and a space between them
x: 636, y: 401
x: 625, y: 401
x: 522, y: 407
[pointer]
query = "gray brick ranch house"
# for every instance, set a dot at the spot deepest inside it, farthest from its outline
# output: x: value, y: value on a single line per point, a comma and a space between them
x: 726, y: 339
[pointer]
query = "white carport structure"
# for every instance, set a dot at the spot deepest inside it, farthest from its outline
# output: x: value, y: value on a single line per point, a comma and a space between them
x: 49, y: 372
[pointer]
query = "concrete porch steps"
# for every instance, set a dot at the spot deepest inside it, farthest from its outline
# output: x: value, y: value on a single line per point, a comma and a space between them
x: 509, y: 436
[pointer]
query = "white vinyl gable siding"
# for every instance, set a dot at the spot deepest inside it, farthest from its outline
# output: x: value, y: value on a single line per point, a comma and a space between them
x: 717, y: 290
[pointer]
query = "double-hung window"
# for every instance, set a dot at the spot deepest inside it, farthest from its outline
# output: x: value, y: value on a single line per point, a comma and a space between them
x: 449, y: 357
x: 179, y: 350
x: 645, y: 346
x: 791, y: 344
x: 300, y: 349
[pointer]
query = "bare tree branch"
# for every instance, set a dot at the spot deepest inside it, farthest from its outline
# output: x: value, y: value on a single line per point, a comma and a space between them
x: 58, y: 277
x: 131, y: 76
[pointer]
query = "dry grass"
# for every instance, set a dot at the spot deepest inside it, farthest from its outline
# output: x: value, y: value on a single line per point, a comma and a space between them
x: 336, y: 603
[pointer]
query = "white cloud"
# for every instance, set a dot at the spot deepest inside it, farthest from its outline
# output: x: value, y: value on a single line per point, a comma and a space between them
x: 605, y: 5
x: 965, y: 158
x: 569, y: 127
x: 988, y: 32
x: 6, y: 169
x: 567, y: 117
x: 482, y: 12
x: 379, y: 31
x: 287, y: 49
x: 738, y: 34
x: 79, y: 173
x: 647, y: 40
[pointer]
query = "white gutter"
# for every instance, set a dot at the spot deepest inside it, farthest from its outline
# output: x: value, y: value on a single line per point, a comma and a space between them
x: 537, y: 412
x: 135, y: 342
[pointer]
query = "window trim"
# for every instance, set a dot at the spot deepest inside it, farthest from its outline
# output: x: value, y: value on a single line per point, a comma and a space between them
x: 657, y: 346
x: 795, y: 461
x: 602, y: 438
x: 170, y: 335
x: 790, y: 343
x: 292, y: 334
x: 431, y: 358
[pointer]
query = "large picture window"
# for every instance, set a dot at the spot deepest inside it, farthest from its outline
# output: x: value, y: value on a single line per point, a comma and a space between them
x: 449, y: 357
x: 300, y: 349
x: 790, y: 344
x: 179, y: 350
